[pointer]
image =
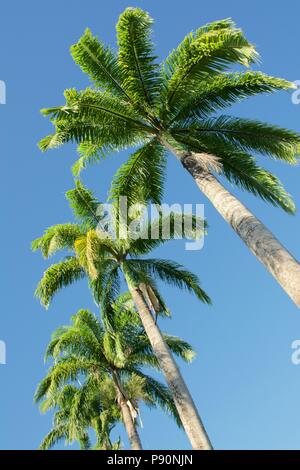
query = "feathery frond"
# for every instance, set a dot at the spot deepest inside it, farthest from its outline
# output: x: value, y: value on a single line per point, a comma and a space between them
x: 57, y: 238
x: 136, y: 59
x: 141, y: 177
x: 57, y: 276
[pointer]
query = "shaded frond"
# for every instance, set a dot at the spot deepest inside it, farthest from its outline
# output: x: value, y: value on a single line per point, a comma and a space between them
x: 224, y: 90
x: 246, y: 134
x: 172, y: 273
x: 141, y: 177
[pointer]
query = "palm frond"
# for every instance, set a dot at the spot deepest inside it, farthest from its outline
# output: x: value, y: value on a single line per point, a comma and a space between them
x: 107, y: 278
x: 57, y: 237
x: 222, y: 91
x: 84, y: 205
x: 57, y: 434
x: 93, y: 116
x: 166, y: 227
x: 57, y: 276
x: 99, y: 62
x: 180, y: 348
x: 89, y: 153
x: 136, y: 59
x: 246, y: 134
x: 172, y: 273
x: 242, y: 170
x: 141, y: 177
x: 200, y: 55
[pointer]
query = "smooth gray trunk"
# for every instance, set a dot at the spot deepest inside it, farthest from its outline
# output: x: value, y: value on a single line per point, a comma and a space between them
x: 134, y: 438
x: 281, y: 264
x: 129, y: 424
x: 184, y: 403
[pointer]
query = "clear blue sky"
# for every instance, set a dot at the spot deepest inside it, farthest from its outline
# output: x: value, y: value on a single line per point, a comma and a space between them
x: 243, y: 381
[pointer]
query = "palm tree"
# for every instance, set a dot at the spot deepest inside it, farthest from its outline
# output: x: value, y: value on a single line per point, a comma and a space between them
x: 101, y: 258
x: 110, y: 360
x: 79, y: 409
x: 171, y: 108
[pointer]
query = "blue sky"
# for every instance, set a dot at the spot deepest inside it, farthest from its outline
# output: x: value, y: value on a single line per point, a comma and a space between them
x: 243, y: 380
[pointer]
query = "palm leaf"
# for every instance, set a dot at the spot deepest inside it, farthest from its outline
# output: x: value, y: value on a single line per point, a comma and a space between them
x: 222, y: 91
x: 136, y: 60
x: 57, y: 238
x: 172, y: 273
x: 99, y: 62
x: 246, y: 134
x: 56, y: 277
x: 141, y: 177
x: 199, y: 56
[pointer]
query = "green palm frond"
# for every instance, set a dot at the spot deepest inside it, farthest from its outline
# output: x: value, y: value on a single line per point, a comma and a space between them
x: 245, y: 134
x: 141, y: 177
x: 159, y: 394
x: 57, y: 238
x: 84, y: 205
x: 87, y: 320
x: 89, y: 153
x: 172, y: 273
x: 57, y: 276
x: 42, y: 389
x: 166, y: 227
x: 200, y: 55
x: 57, y: 434
x: 106, y: 285
x: 136, y: 58
x: 78, y: 341
x: 95, y: 116
x: 99, y: 62
x: 222, y: 91
x: 241, y: 169
x: 179, y: 347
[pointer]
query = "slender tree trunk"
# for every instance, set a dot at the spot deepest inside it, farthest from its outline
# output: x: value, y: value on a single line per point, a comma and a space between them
x: 133, y: 436
x: 281, y: 264
x: 184, y: 403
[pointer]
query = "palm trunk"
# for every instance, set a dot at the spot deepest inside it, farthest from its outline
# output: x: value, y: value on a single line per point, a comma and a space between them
x: 134, y: 439
x: 184, y: 403
x: 281, y: 264
x: 133, y: 436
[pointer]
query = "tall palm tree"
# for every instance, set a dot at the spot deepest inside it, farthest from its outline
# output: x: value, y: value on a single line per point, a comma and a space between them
x: 77, y: 410
x: 110, y: 360
x: 175, y: 107
x: 101, y: 258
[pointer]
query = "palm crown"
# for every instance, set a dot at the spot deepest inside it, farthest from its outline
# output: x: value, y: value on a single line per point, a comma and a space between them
x: 101, y: 257
x: 78, y: 409
x: 105, y: 361
x: 136, y: 101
